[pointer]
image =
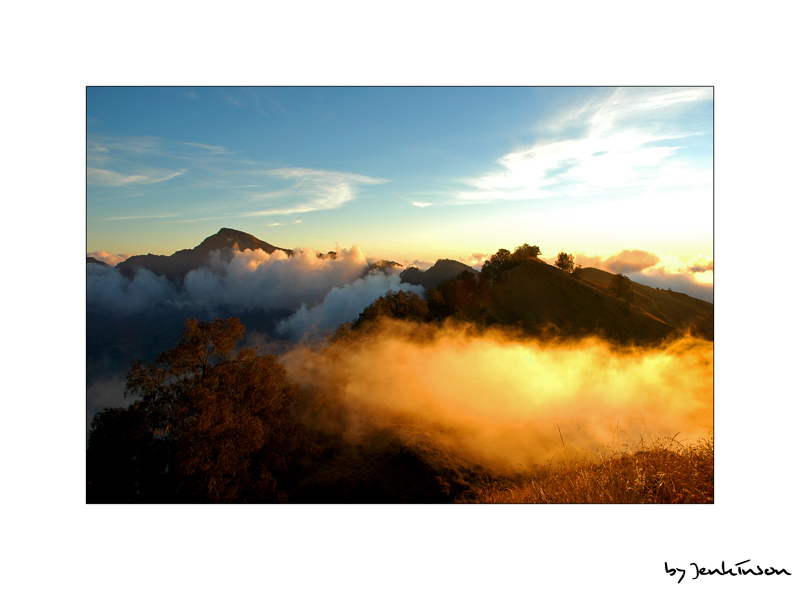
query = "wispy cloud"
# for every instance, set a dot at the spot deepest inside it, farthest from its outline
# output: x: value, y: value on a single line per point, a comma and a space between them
x: 140, y: 217
x: 313, y: 190
x: 421, y: 204
x: 111, y: 178
x: 142, y: 146
x: 277, y: 223
x: 99, y: 176
x: 620, y: 144
x: 249, y: 99
x: 212, y: 149
x: 102, y: 149
x: 118, y: 197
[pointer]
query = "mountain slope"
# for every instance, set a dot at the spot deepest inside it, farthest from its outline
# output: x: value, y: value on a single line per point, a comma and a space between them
x: 443, y: 270
x: 538, y: 297
x: 179, y: 264
x: 678, y: 309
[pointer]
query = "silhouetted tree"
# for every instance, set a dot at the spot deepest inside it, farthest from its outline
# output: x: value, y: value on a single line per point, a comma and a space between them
x: 525, y: 251
x: 620, y: 286
x: 222, y: 417
x: 497, y: 263
x: 400, y: 304
x: 437, y: 308
x: 125, y: 461
x: 565, y: 262
x: 578, y: 272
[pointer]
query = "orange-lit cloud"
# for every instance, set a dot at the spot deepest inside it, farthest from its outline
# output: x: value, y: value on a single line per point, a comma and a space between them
x: 109, y: 259
x: 476, y: 259
x: 630, y: 261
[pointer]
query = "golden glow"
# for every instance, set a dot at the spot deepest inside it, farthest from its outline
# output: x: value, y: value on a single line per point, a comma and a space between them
x: 706, y: 278
x: 506, y: 398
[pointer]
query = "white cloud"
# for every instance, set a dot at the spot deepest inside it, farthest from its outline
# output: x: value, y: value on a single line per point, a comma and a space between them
x: 614, y: 150
x: 214, y: 149
x: 107, y: 288
x: 140, y: 217
x: 167, y: 177
x: 342, y: 304
x: 111, y: 178
x: 421, y: 204
x: 257, y: 280
x: 99, y: 176
x: 313, y: 190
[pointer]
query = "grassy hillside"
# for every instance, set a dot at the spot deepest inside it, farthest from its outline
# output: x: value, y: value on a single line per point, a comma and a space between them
x: 677, y: 309
x: 538, y: 297
x: 659, y: 472
x: 441, y: 271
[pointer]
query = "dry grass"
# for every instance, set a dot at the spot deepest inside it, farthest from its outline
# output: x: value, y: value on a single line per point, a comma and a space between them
x: 648, y: 472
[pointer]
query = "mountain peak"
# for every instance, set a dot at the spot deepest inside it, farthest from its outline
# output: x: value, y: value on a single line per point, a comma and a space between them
x: 182, y: 262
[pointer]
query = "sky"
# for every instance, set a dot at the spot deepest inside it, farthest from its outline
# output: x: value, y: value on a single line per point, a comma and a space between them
x: 411, y: 174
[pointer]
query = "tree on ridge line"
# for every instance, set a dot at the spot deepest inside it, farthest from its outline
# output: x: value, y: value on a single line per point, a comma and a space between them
x: 565, y: 262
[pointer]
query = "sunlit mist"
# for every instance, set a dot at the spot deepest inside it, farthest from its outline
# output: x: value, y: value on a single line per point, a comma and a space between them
x: 512, y: 399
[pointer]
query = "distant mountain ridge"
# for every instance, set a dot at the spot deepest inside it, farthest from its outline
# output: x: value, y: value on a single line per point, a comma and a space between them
x: 179, y: 264
x: 443, y: 270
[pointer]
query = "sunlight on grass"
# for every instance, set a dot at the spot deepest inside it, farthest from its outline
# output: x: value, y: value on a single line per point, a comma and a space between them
x: 648, y: 472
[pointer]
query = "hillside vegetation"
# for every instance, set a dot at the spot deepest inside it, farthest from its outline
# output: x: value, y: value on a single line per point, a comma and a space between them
x: 537, y: 296
x: 657, y: 472
x: 543, y: 300
x: 678, y: 309
x: 443, y: 270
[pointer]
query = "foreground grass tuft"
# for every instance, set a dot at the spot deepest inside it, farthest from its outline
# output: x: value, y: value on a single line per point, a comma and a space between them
x: 657, y: 472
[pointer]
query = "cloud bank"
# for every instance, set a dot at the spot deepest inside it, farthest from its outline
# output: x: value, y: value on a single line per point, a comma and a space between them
x: 107, y: 289
x: 319, y: 292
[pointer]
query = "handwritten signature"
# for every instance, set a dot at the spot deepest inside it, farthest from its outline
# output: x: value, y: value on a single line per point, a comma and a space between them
x: 723, y: 571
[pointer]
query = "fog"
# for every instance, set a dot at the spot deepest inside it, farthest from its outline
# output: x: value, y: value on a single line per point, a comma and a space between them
x: 507, y: 398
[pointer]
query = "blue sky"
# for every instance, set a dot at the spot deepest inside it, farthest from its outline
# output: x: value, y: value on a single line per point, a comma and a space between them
x: 406, y: 173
